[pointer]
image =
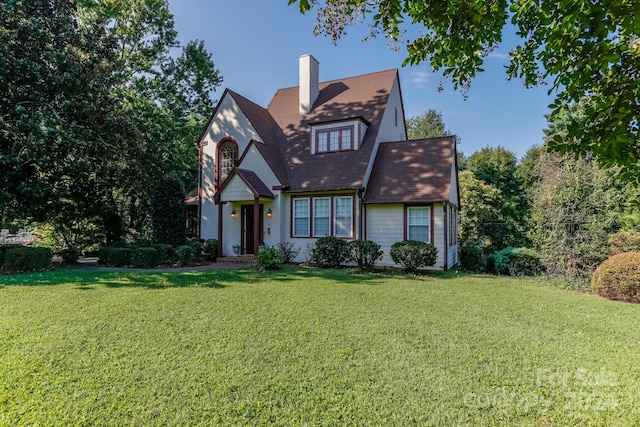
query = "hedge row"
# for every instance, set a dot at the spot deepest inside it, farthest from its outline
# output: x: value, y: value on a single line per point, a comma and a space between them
x: 121, y: 255
x: 24, y: 258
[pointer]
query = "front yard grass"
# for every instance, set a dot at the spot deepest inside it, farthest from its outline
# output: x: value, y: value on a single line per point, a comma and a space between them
x: 303, y: 346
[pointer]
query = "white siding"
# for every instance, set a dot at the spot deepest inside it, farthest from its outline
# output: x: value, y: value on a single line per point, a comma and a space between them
x: 439, y: 233
x: 385, y: 227
x: 228, y: 122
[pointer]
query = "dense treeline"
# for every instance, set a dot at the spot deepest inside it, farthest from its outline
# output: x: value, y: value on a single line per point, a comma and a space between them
x: 572, y: 211
x: 99, y: 103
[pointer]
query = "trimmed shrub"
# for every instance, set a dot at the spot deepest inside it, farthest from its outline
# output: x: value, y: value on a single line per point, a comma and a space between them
x: 365, y: 253
x: 618, y: 278
x: 145, y: 257
x: 625, y: 241
x: 197, y: 249
x: 471, y: 258
x: 3, y: 249
x: 70, y: 255
x: 287, y: 251
x: 412, y: 255
x: 490, y: 266
x: 267, y: 259
x: 184, y: 254
x: 330, y: 252
x: 210, y: 247
x: 166, y: 253
x: 120, y: 257
x: 518, y: 262
x: 24, y: 258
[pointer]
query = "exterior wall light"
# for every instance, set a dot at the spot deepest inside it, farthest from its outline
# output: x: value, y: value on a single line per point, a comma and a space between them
x: 269, y: 213
x: 233, y: 213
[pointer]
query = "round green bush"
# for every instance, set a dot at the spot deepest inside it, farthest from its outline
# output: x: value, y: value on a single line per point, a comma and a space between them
x: 365, y: 253
x: 145, y: 257
x: 184, y: 254
x: 518, y: 262
x: 267, y: 259
x: 618, y: 278
x: 211, y: 249
x: 70, y: 255
x: 25, y: 258
x: 412, y: 255
x: 330, y: 252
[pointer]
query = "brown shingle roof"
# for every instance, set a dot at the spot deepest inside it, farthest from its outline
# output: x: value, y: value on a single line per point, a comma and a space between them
x: 412, y: 171
x: 361, y: 96
x: 268, y: 130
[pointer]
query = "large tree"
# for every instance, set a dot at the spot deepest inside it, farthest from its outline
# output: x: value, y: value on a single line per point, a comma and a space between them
x: 426, y: 125
x: 588, y: 51
x: 60, y: 124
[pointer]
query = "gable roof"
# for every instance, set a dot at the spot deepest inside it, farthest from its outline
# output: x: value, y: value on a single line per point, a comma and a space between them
x: 251, y: 180
x: 362, y: 96
x: 268, y: 130
x: 417, y: 171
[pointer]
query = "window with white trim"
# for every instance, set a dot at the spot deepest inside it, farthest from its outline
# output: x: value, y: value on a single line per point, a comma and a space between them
x: 418, y: 223
x: 300, y: 217
x: 343, y: 214
x: 321, y: 216
x: 228, y: 153
x: 334, y: 139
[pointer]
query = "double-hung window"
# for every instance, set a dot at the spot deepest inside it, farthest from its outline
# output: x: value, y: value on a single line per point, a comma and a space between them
x: 321, y: 216
x: 300, y: 217
x: 418, y: 223
x: 343, y: 214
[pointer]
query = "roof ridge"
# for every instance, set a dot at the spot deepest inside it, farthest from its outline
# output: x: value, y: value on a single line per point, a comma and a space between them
x: 344, y: 78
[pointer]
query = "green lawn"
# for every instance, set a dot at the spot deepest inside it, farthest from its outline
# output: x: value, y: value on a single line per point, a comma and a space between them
x: 310, y: 347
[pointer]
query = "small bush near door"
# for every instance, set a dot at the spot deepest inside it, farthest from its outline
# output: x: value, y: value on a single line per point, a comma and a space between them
x: 365, y: 253
x: 287, y: 252
x: 267, y: 259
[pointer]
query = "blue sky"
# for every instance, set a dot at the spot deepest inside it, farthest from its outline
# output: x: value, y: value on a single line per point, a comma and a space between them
x: 256, y: 44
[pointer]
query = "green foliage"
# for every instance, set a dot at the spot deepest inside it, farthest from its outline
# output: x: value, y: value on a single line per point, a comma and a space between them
x: 197, y: 249
x: 210, y: 247
x: 120, y: 257
x: 575, y: 208
x: 25, y: 258
x: 330, y: 252
x: 518, y: 262
x: 70, y: 255
x: 184, y: 254
x: 287, y: 251
x: 145, y: 257
x: 412, y: 255
x: 625, y: 241
x: 166, y: 253
x: 365, y: 253
x: 427, y: 125
x: 267, y: 260
x: 471, y: 258
x: 618, y: 278
x: 169, y: 212
x: 480, y: 220
x: 587, y: 51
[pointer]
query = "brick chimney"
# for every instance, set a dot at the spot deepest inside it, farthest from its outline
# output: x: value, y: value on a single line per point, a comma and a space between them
x: 308, y: 89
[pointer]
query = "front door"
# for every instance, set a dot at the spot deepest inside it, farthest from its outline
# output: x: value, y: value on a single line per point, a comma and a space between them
x: 248, y: 229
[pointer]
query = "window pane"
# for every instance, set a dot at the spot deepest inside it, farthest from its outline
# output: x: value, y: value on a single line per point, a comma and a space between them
x: 343, y: 217
x: 226, y: 160
x: 322, y: 141
x: 321, y: 216
x: 334, y: 138
x: 418, y: 221
x: 346, y: 139
x: 301, y: 217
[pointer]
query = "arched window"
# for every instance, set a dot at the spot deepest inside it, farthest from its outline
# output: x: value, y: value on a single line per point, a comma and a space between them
x: 227, y: 156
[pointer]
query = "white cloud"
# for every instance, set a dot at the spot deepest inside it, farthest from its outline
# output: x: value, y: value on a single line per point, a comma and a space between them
x: 498, y: 55
x: 420, y: 77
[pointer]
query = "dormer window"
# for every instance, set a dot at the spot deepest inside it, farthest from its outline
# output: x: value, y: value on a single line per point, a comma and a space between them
x: 345, y: 135
x: 339, y: 139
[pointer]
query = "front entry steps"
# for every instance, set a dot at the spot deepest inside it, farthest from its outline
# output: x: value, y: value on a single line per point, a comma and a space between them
x: 238, y: 260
